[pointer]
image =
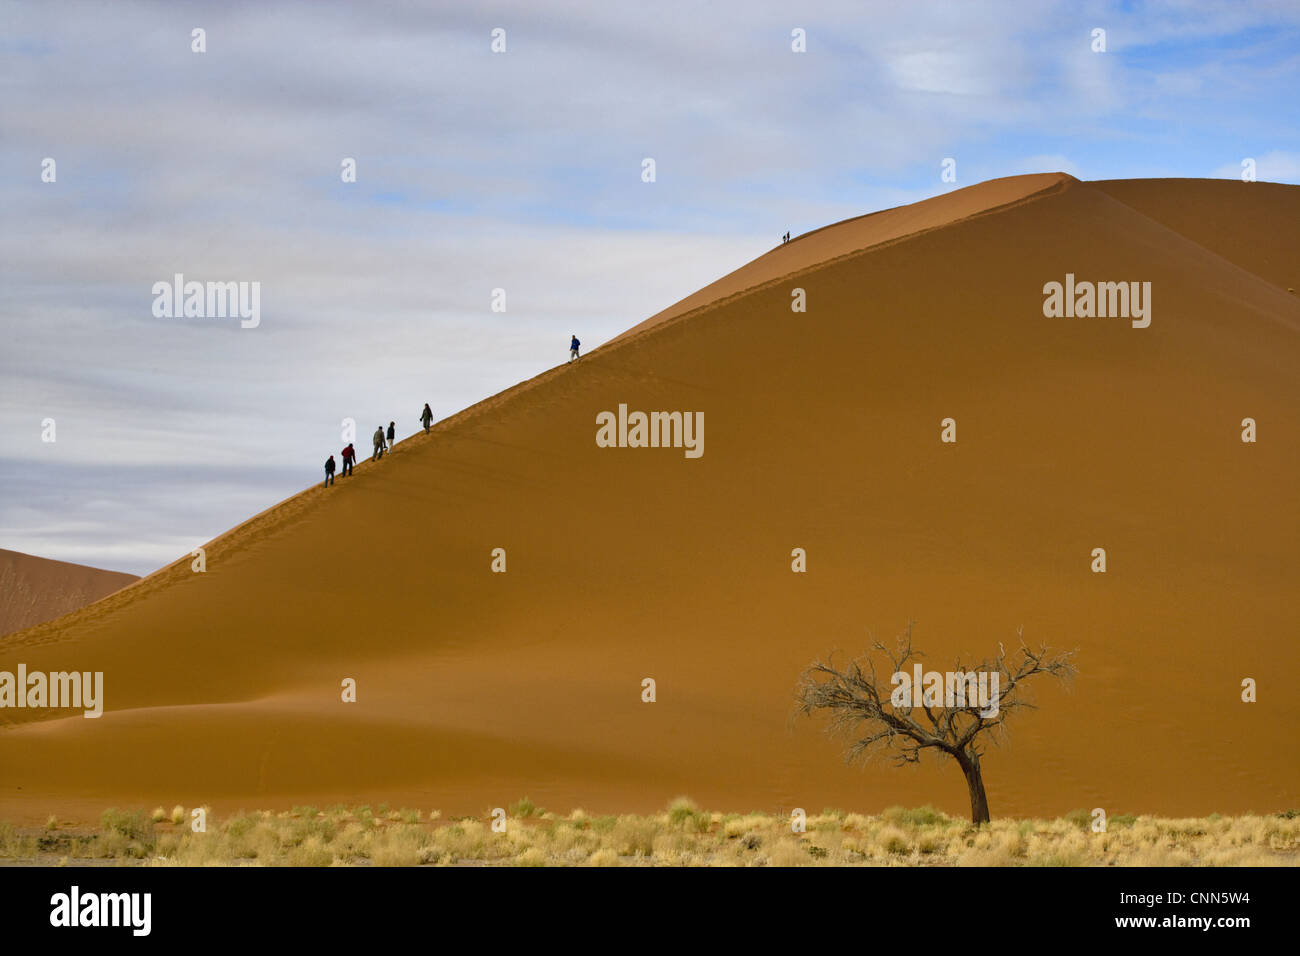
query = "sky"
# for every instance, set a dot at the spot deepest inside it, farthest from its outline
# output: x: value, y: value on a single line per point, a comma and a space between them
x: 477, y: 170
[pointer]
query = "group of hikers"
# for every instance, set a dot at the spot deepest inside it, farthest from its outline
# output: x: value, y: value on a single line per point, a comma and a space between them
x: 785, y: 238
x: 385, y: 440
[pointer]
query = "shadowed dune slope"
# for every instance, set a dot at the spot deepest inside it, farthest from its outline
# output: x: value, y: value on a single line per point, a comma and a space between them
x: 821, y: 432
x: 1250, y: 224
x: 35, y: 590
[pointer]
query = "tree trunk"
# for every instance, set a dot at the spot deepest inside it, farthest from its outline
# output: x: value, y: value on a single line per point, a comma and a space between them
x: 979, y: 801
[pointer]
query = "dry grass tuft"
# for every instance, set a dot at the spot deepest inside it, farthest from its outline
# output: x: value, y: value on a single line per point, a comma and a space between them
x: 681, y: 835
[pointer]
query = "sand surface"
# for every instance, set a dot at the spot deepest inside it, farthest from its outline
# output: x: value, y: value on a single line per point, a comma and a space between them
x: 822, y: 432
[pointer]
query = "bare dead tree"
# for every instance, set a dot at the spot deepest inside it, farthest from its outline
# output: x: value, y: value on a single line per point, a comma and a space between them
x: 955, y: 725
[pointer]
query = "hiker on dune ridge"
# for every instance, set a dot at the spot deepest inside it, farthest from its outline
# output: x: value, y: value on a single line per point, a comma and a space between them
x: 426, y: 417
x: 379, y: 444
x: 329, y: 471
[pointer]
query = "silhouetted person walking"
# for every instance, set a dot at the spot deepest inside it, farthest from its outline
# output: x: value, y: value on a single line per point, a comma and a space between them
x: 426, y: 417
x: 329, y: 471
x: 392, y: 435
x: 573, y: 348
x: 349, y: 459
x: 379, y: 444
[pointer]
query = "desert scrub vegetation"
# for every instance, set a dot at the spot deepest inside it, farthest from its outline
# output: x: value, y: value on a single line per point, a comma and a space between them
x: 680, y: 835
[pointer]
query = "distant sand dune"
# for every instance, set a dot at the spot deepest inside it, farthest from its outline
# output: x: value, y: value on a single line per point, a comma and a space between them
x: 35, y: 590
x: 822, y: 432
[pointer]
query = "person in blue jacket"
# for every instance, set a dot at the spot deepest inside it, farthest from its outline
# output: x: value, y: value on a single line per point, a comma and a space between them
x: 573, y: 348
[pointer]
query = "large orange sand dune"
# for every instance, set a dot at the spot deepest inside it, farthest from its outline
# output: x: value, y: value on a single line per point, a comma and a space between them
x: 822, y: 432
